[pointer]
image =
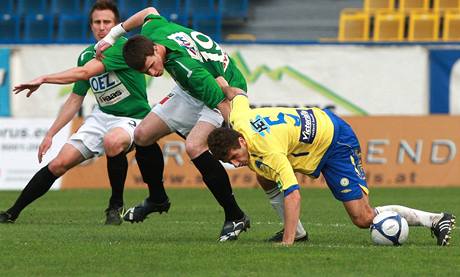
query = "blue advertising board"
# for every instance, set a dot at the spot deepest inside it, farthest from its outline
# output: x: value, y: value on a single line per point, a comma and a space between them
x: 4, y: 82
x: 441, y: 65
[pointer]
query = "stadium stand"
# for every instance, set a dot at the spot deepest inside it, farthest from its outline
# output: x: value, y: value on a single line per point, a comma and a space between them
x: 446, y: 5
x: 9, y: 28
x: 70, y: 7
x: 389, y: 26
x: 31, y: 7
x: 72, y: 28
x: 7, y: 7
x: 408, y: 6
x: 354, y: 25
x: 379, y: 5
x: 423, y: 26
x: 451, y: 26
x: 38, y: 28
x: 255, y: 20
x: 130, y: 7
x: 234, y: 9
x: 173, y: 10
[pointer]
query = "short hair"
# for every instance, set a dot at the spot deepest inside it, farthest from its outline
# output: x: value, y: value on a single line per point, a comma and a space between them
x: 104, y: 5
x: 222, y: 140
x: 135, y: 51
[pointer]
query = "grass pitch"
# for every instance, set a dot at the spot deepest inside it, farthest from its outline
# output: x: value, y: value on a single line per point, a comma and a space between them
x: 63, y: 234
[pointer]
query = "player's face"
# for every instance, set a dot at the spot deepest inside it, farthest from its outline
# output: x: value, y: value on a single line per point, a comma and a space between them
x: 154, y: 65
x: 239, y: 157
x: 101, y: 23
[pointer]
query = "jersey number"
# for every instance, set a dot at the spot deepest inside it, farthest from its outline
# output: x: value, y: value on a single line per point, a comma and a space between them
x: 210, y: 50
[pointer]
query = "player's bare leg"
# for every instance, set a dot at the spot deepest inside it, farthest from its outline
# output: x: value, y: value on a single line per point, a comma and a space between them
x: 360, y: 212
x: 276, y: 198
x: 216, y: 179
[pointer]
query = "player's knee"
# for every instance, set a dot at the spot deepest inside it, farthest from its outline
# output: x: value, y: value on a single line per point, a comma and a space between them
x: 58, y: 167
x: 114, y: 145
x: 195, y: 148
x: 141, y: 137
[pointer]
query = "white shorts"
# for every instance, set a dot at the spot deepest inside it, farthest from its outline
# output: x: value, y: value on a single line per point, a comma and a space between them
x: 181, y: 111
x: 89, y: 138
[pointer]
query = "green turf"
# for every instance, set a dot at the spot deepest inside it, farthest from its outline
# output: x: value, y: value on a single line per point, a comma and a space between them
x: 63, y: 234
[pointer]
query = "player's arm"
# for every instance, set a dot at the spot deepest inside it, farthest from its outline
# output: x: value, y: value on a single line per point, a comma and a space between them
x: 291, y: 189
x: 90, y: 69
x: 66, y: 114
x: 134, y: 21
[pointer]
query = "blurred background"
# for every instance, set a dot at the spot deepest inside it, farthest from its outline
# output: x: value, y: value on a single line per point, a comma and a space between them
x: 389, y: 66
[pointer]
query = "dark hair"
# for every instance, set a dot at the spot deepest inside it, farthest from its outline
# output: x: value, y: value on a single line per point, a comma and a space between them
x: 104, y: 5
x: 222, y: 140
x: 135, y: 50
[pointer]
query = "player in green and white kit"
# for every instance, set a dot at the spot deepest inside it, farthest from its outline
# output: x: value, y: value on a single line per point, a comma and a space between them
x: 122, y: 104
x: 200, y: 67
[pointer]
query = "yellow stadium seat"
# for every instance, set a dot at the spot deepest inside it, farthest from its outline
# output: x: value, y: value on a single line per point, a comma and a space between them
x: 354, y: 25
x: 379, y: 5
x: 414, y: 5
x: 389, y: 26
x: 451, y: 27
x: 446, y: 5
x: 423, y: 26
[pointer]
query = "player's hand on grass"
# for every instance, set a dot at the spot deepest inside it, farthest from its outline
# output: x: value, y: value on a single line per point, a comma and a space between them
x: 31, y: 86
x: 44, y: 146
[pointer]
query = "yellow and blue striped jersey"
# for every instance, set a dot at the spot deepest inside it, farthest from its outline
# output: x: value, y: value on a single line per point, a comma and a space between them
x: 282, y: 141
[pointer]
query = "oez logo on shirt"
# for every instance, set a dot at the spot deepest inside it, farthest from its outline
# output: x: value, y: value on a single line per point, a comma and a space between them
x: 102, y: 82
x: 108, y: 89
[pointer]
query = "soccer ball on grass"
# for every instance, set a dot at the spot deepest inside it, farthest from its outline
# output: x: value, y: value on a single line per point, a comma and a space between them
x: 389, y: 228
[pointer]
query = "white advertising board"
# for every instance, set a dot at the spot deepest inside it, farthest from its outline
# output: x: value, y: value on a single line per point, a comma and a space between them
x: 353, y: 79
x: 19, y: 142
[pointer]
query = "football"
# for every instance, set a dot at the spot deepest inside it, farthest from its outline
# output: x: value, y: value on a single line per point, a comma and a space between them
x: 389, y: 228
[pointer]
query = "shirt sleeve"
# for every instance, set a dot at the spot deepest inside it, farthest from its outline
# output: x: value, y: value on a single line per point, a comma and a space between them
x: 283, y: 173
x: 81, y: 87
x: 239, y: 106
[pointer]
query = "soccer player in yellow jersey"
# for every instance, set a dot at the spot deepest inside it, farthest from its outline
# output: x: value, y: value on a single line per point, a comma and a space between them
x: 277, y: 142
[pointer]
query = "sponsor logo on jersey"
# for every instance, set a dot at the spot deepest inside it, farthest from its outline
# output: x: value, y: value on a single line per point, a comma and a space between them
x: 108, y: 89
x: 308, y: 126
x: 186, y: 42
x: 260, y: 125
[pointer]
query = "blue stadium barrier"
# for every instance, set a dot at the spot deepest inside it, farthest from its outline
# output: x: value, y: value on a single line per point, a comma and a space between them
x: 72, y: 29
x: 210, y: 25
x: 173, y: 10
x: 9, y: 28
x: 65, y: 7
x: 5, y: 82
x: 7, y: 7
x: 30, y: 7
x: 130, y: 7
x: 38, y: 29
x: 234, y: 9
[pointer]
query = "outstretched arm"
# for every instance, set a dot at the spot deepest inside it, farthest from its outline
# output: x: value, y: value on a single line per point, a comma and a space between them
x: 90, y: 69
x: 67, y: 112
x: 134, y: 21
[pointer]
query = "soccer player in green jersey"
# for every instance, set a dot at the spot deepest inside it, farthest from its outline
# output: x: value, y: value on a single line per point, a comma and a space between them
x: 122, y: 103
x: 200, y: 67
x: 277, y: 142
